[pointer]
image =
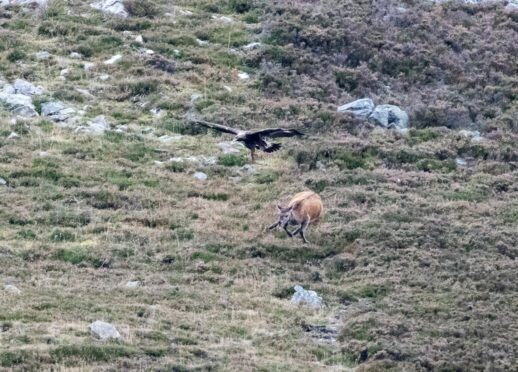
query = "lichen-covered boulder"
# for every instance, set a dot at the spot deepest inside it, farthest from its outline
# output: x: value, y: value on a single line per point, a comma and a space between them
x: 360, y: 108
x: 389, y: 116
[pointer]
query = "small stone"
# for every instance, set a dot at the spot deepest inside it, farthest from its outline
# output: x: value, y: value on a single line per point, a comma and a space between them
x: 42, y: 56
x: 227, y: 88
x: 176, y: 52
x: 223, y: 19
x: 200, y: 176
x: 139, y: 39
x: 96, y: 126
x: 76, y: 55
x: 13, y: 136
x: 64, y: 72
x: 147, y: 130
x: 305, y: 297
x: 2, y: 182
x: 202, y: 42
x: 133, y: 284
x: 103, y: 331
x: 195, y: 97
x: 88, y: 65
x: 104, y: 77
x: 12, y: 289
x: 116, y: 58
x: 185, y: 12
x: 167, y: 139
x: 473, y: 134
x: 252, y: 46
x: 157, y: 113
x: 43, y: 154
x: 243, y: 75
x: 319, y: 165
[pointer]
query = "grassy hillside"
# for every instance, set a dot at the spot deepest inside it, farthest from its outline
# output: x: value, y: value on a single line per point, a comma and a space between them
x: 415, y: 258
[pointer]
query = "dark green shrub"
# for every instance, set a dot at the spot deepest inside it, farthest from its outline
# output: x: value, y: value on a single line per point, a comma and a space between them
x: 141, y: 8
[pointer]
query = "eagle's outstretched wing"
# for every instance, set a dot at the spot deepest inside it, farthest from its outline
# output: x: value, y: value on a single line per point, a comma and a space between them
x: 219, y: 127
x: 278, y: 132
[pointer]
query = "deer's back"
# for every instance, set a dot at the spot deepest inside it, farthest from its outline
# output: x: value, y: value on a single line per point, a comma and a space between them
x: 306, y: 204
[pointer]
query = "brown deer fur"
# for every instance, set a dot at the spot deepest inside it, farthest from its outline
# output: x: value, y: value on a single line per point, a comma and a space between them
x: 304, y: 208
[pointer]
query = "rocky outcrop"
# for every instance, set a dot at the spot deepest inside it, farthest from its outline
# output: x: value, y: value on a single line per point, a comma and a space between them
x: 112, y: 7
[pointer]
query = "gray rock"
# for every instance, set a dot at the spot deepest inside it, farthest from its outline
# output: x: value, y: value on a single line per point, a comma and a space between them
x: 18, y: 104
x: 133, y: 284
x: 158, y: 113
x: 2, y: 182
x: 305, y: 297
x: 247, y: 169
x: 113, y: 7
x: 39, y: 3
x: 13, y: 136
x: 474, y: 135
x: 202, y: 42
x: 88, y: 65
x: 195, y: 96
x: 389, y: 116
x: 42, y: 56
x: 243, y: 75
x: 230, y: 147
x: 116, y: 58
x: 28, y: 89
x: 56, y: 111
x: 12, y: 289
x: 104, y: 331
x: 168, y: 139
x: 96, y: 126
x: 360, y: 108
x: 139, y: 39
x: 252, y: 46
x: 200, y: 176
x: 76, y: 55
x: 8, y: 89
x: 223, y: 19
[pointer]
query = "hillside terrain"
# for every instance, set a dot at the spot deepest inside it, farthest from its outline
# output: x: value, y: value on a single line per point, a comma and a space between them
x: 114, y: 207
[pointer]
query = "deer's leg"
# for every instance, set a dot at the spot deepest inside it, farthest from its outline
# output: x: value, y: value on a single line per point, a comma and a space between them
x: 287, y: 231
x: 302, y: 229
x: 274, y: 225
x: 252, y: 154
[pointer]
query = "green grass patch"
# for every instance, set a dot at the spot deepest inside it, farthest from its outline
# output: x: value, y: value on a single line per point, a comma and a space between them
x: 91, y: 353
x: 232, y: 160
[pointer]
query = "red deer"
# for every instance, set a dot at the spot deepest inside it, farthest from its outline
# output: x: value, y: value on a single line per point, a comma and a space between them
x: 304, y: 208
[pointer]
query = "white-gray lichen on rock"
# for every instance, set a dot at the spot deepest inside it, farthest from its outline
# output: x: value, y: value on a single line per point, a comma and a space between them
x: 111, y: 7
x: 104, y: 331
x: 360, y: 108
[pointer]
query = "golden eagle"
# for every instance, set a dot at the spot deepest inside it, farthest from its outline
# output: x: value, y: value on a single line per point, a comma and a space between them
x: 253, y: 139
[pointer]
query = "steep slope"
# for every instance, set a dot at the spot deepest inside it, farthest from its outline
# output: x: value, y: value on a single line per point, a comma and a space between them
x: 106, y: 213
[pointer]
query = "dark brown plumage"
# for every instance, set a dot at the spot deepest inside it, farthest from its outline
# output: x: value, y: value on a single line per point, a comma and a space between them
x: 253, y: 139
